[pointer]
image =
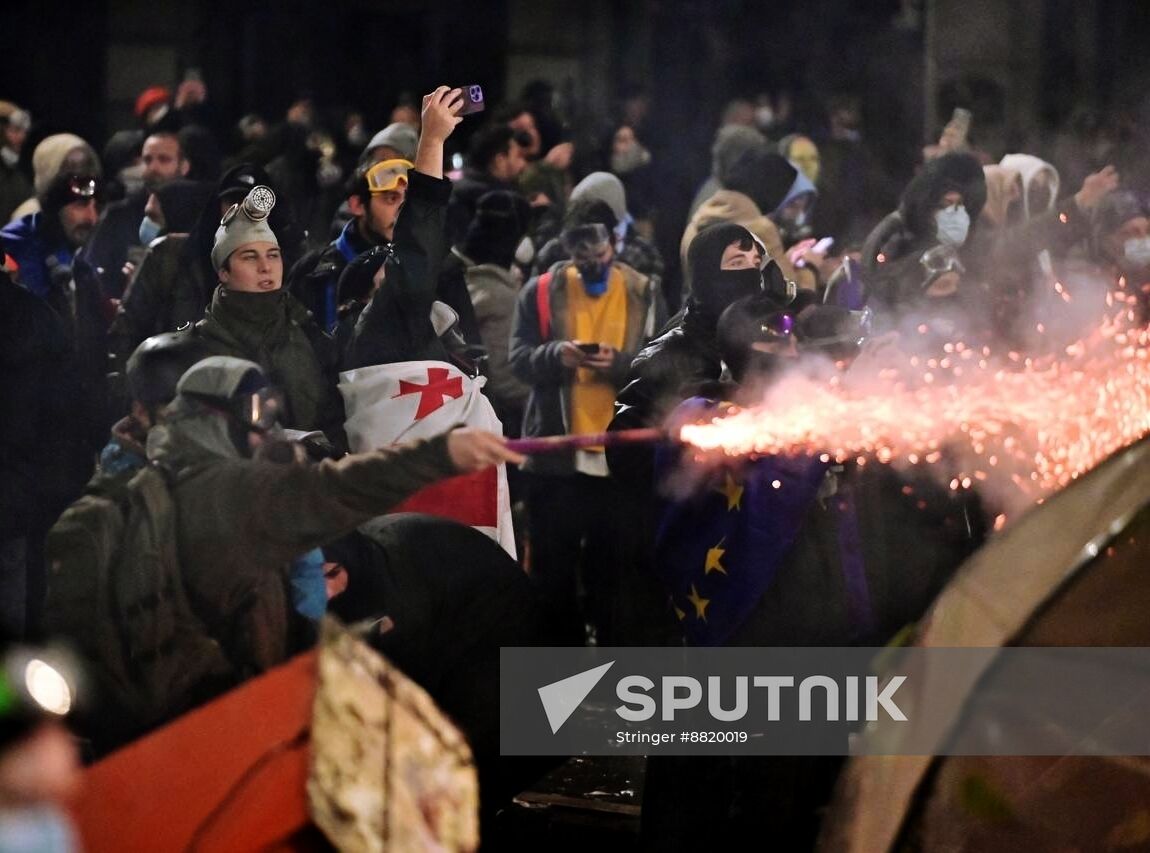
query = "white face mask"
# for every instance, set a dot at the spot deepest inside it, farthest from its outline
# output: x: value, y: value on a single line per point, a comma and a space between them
x: 1137, y: 252
x: 952, y: 224
x: 525, y: 252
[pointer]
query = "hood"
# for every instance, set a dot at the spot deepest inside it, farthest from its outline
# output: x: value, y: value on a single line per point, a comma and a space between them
x: 604, y: 187
x: 802, y: 186
x: 182, y: 201
x: 954, y: 171
x: 762, y: 174
x: 1029, y: 167
x: 190, y: 434
x: 50, y: 154
x: 731, y: 142
x: 727, y: 206
x: 999, y: 190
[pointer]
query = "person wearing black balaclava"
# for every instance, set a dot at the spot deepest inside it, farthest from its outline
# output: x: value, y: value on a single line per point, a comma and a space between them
x: 726, y: 264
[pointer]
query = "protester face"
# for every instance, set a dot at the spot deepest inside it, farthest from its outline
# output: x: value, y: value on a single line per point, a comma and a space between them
x: 163, y: 161
x: 254, y: 268
x: 14, y: 137
x: 952, y: 222
x: 805, y: 155
x: 382, y: 212
x: 525, y: 122
x: 153, y: 221
x: 594, y: 264
x: 742, y: 255
x: 508, y: 165
x: 1129, y: 246
x: 78, y: 219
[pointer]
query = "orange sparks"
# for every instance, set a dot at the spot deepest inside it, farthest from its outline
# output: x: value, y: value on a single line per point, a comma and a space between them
x: 1025, y: 428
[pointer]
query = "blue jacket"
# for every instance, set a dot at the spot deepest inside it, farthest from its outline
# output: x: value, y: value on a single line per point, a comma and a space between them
x: 24, y: 243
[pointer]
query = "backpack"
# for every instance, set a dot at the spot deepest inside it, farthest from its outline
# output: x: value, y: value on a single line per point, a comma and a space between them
x: 115, y: 590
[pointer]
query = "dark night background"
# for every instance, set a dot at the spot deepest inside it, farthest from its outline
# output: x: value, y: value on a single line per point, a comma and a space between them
x: 1026, y: 68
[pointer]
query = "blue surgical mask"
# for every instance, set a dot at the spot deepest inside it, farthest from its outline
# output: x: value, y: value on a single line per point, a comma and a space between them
x: 952, y: 224
x: 1137, y: 252
x: 149, y: 230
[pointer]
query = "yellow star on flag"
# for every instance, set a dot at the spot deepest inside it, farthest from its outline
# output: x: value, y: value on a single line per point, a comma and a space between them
x: 714, y: 556
x: 699, y: 602
x: 679, y: 614
x: 732, y: 491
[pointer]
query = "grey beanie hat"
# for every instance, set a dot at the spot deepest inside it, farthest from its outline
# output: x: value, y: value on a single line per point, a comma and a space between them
x: 402, y: 137
x: 604, y: 187
x: 246, y: 222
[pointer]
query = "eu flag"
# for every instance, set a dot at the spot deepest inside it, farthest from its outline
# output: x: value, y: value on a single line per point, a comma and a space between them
x: 718, y: 549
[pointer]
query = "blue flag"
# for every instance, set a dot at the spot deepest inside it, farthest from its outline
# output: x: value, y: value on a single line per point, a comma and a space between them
x: 718, y: 550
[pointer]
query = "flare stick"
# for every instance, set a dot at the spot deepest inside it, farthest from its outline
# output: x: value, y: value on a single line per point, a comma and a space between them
x: 556, y: 443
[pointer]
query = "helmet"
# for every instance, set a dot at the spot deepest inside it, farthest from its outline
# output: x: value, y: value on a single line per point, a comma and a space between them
x: 158, y: 363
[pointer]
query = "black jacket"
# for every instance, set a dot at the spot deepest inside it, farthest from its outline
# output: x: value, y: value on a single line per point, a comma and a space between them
x: 396, y: 324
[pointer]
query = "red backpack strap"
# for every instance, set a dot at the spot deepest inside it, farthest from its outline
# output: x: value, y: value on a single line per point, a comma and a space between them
x: 543, y: 304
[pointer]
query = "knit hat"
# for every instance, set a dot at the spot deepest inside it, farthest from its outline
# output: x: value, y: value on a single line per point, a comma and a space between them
x: 61, y: 150
x: 151, y: 98
x: 398, y: 136
x: 501, y: 220
x: 244, y: 223
x: 605, y: 187
x: 240, y: 180
x: 12, y: 116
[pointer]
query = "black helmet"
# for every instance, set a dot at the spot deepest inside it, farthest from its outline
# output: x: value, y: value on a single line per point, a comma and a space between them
x: 158, y: 363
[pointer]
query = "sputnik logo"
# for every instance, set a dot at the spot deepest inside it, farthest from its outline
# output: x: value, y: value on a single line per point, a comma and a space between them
x: 561, y: 698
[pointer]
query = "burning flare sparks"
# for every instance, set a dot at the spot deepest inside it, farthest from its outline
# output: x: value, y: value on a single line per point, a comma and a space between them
x: 1016, y: 428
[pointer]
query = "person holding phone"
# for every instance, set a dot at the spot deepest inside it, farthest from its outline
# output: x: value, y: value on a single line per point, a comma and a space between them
x: 577, y: 327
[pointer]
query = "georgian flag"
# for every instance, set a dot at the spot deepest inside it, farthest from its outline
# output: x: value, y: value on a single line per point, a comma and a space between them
x: 392, y: 403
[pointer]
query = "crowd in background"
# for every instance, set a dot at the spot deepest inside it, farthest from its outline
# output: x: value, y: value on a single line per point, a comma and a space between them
x: 159, y: 286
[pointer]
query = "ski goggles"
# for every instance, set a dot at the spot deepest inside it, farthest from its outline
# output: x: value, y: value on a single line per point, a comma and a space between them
x: 940, y: 260
x: 387, y: 175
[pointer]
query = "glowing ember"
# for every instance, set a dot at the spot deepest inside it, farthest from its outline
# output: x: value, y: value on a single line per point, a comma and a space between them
x: 1017, y: 428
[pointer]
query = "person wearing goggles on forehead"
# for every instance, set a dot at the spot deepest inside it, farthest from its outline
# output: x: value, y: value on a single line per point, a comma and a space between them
x: 40, y: 242
x: 253, y: 317
x: 403, y: 320
x: 375, y: 196
x: 577, y: 327
x: 243, y: 515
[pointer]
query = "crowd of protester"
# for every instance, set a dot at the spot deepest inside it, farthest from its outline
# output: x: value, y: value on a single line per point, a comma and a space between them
x: 173, y: 300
